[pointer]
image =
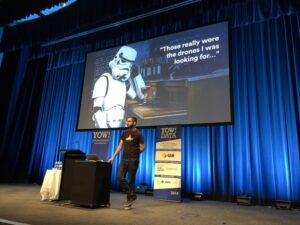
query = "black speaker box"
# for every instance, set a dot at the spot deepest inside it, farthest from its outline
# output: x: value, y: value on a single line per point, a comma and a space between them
x: 91, y: 183
x: 69, y: 158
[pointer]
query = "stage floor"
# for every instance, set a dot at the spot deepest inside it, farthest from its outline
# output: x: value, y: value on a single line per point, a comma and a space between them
x: 23, y: 205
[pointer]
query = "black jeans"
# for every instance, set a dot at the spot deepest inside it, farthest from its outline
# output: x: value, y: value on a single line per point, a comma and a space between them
x: 129, y: 166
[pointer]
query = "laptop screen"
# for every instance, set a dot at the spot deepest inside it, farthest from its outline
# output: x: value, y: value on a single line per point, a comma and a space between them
x: 92, y: 157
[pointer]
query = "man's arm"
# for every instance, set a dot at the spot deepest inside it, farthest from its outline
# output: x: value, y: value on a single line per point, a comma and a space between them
x: 119, y: 148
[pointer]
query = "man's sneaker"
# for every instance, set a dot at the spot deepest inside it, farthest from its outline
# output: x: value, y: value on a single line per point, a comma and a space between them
x: 128, y: 203
x: 128, y: 207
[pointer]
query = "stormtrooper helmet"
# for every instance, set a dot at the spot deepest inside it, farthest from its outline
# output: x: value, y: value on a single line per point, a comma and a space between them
x: 122, y: 63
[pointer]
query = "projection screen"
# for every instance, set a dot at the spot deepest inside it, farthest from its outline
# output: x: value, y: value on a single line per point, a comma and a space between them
x: 178, y: 79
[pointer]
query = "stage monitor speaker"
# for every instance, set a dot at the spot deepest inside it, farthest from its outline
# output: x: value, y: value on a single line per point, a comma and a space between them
x: 69, y: 158
x: 244, y: 200
x: 91, y: 183
x: 282, y: 204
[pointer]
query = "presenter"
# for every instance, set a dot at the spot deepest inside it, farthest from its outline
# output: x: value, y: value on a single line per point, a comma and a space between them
x: 133, y: 143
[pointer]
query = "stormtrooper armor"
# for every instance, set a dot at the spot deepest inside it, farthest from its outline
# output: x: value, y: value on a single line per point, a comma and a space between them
x: 110, y: 90
x: 137, y: 87
x: 122, y: 63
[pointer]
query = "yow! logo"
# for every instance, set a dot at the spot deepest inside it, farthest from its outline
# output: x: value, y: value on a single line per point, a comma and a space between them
x: 101, y: 134
x: 169, y: 132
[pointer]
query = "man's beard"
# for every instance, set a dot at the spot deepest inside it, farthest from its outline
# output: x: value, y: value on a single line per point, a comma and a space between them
x: 130, y: 126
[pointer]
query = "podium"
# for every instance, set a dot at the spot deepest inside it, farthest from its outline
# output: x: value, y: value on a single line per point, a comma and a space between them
x: 91, y: 183
x: 69, y: 158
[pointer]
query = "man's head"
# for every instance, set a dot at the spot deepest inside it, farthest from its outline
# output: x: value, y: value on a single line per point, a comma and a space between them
x: 122, y: 63
x: 131, y: 122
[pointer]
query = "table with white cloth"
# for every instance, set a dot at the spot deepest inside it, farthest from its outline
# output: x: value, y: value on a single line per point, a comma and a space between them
x: 51, y: 185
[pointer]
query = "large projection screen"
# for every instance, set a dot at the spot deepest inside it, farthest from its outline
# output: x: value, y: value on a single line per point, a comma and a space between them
x: 177, y: 79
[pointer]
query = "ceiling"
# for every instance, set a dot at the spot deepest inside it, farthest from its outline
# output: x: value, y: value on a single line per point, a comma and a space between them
x: 11, y: 10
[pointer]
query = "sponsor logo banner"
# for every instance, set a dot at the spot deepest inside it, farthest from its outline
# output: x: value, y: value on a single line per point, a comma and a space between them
x: 168, y: 133
x: 169, y: 145
x: 169, y: 169
x: 100, y: 144
x: 167, y: 182
x: 168, y: 155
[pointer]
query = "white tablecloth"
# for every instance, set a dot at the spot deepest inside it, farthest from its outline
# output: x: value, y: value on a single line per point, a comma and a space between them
x: 51, y: 185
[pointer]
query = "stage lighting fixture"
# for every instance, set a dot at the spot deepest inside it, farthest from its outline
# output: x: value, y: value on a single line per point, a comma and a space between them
x: 63, y: 3
x: 197, y: 196
x: 282, y: 204
x: 244, y: 200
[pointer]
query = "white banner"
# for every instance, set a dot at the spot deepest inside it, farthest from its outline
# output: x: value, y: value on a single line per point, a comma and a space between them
x: 167, y: 182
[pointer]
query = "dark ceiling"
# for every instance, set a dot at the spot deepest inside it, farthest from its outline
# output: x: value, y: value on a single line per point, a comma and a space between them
x: 11, y: 10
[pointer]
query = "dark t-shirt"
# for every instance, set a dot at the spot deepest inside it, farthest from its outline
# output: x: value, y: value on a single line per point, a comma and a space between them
x: 132, y: 140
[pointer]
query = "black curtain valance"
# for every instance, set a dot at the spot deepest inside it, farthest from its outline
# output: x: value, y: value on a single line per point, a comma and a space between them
x: 86, y: 15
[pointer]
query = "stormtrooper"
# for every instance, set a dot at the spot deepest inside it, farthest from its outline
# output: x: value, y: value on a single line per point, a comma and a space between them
x: 110, y: 90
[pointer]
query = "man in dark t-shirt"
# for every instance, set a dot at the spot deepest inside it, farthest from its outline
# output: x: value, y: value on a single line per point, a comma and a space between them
x: 133, y: 143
